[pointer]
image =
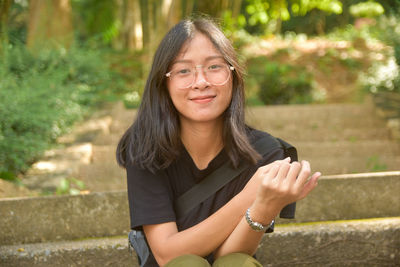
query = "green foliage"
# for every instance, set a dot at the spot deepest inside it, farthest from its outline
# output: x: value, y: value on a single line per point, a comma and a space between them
x: 367, y: 9
x: 280, y: 83
x: 96, y: 20
x: 263, y: 15
x: 70, y: 186
x: 130, y: 72
x: 260, y: 11
x: 384, y: 76
x: 302, y: 7
x: 318, y: 22
x: 230, y: 24
x: 41, y: 96
x: 375, y: 164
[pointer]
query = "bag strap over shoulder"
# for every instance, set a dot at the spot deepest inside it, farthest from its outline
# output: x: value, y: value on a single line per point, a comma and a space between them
x: 216, y: 180
x: 226, y: 173
x: 288, y: 211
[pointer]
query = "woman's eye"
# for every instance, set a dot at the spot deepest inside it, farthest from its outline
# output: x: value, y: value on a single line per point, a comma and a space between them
x: 183, y: 71
x: 215, y: 67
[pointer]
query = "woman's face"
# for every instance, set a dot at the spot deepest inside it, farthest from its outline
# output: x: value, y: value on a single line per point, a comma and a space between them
x: 205, y: 99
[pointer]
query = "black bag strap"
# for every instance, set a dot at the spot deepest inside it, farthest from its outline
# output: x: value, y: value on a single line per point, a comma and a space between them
x: 226, y: 173
x: 288, y: 211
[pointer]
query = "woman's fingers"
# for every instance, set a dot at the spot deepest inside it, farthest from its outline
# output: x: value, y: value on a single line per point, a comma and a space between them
x: 288, y: 182
x: 304, y: 174
x: 271, y: 174
x: 268, y: 167
x: 295, y: 168
x: 310, y: 185
x: 283, y: 171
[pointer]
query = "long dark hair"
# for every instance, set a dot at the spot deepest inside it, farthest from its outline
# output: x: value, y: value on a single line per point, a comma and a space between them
x: 153, y: 140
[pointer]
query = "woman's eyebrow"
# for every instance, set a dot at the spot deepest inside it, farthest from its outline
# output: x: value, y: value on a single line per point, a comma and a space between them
x: 190, y: 61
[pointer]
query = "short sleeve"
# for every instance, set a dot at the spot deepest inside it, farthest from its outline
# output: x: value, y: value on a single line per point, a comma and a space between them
x: 150, y: 197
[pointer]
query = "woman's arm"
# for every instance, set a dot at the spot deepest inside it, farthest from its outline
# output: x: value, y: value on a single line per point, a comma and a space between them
x: 204, y: 238
x: 282, y: 185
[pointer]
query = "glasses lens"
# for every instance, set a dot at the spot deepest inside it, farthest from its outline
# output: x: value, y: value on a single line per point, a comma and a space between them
x: 217, y: 74
x: 183, y: 77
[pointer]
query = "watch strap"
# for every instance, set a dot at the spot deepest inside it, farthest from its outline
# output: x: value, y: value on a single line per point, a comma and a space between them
x: 256, y: 226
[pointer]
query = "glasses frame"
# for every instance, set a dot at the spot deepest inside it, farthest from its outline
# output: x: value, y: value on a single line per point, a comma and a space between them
x: 230, y: 67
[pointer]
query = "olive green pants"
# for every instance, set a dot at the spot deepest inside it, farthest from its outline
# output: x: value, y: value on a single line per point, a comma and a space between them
x: 230, y: 260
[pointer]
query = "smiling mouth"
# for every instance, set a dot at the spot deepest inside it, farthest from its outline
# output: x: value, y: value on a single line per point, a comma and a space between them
x: 203, y: 99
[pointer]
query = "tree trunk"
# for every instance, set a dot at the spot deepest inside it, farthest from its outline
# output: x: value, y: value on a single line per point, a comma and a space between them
x: 187, y: 8
x: 235, y: 6
x: 131, y: 35
x: 214, y: 8
x: 172, y: 12
x: 4, y: 12
x: 49, y: 24
x: 145, y: 23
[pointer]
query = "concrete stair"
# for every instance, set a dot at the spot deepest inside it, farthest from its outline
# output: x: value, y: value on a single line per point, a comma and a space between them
x: 351, y: 219
x: 335, y: 138
x: 346, y: 243
x: 346, y: 221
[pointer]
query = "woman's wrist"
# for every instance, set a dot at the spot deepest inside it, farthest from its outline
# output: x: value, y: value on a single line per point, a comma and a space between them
x: 255, y: 225
x: 263, y: 213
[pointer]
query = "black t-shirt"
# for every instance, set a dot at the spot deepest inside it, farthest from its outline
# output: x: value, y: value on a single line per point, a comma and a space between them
x: 152, y: 195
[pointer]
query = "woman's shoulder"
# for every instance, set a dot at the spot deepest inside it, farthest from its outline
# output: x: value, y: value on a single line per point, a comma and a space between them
x: 263, y: 142
x: 255, y: 135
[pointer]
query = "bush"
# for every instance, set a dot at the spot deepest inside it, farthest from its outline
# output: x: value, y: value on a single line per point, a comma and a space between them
x: 41, y: 96
x: 385, y: 76
x: 366, y: 9
x: 280, y: 83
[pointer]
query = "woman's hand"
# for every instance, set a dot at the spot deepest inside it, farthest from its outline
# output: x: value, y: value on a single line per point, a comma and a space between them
x: 271, y: 188
x: 282, y: 184
x: 254, y: 183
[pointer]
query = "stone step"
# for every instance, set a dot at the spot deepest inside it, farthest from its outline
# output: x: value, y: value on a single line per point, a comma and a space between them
x: 55, y: 218
x: 334, y: 122
x: 302, y: 134
x: 111, y: 251
x: 122, y: 118
x: 103, y: 173
x: 101, y: 177
x: 348, y: 164
x: 328, y: 117
x: 361, y: 148
x: 340, y: 115
x: 351, y: 196
x: 293, y: 135
x: 373, y: 242
x: 339, y: 243
x: 111, y: 139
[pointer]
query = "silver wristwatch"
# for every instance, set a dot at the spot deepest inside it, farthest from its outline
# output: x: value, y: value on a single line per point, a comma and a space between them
x: 256, y: 226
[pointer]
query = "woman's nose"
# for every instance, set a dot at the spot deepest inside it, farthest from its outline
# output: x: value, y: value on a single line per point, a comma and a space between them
x: 200, y: 80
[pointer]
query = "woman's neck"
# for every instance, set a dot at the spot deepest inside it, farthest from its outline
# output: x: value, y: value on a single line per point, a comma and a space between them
x: 203, y: 141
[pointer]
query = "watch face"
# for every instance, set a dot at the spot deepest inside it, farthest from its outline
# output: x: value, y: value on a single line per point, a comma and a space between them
x: 256, y: 226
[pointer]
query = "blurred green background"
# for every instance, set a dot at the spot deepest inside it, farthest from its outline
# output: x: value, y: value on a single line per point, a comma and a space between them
x: 62, y: 59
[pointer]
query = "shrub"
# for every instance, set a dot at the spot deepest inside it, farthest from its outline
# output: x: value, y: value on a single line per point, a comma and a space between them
x: 280, y: 83
x: 385, y: 77
x: 366, y: 9
x: 41, y: 96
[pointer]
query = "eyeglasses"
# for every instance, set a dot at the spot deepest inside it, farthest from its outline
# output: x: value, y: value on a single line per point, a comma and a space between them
x: 215, y: 73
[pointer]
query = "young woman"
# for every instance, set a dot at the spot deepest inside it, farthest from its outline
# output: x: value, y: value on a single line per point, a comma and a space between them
x: 190, y: 122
